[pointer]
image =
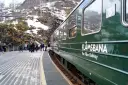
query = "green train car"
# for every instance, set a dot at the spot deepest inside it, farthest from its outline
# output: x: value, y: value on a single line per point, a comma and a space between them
x: 94, y: 38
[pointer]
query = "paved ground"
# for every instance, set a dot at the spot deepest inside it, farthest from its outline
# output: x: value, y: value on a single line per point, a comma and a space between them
x: 20, y: 68
x: 52, y: 75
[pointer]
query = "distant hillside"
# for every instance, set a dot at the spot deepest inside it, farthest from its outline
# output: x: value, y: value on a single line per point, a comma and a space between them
x: 58, y: 3
x: 30, y: 4
x: 53, y: 12
x: 59, y: 8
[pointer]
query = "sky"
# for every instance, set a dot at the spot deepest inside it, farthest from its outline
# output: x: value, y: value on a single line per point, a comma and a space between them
x: 7, y: 2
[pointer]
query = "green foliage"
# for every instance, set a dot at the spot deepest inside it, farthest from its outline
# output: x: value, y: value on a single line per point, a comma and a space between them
x: 22, y: 26
x: 10, y: 33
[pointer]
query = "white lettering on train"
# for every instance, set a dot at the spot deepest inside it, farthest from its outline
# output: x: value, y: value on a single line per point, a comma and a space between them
x: 88, y: 48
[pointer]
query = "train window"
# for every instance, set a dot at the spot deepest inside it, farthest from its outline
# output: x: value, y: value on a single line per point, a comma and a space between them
x: 61, y: 34
x: 125, y: 12
x: 72, y: 25
x: 92, y: 18
x: 56, y: 36
x: 64, y: 33
x: 72, y: 32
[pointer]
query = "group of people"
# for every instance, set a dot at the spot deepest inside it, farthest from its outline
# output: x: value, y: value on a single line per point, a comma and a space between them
x: 33, y: 47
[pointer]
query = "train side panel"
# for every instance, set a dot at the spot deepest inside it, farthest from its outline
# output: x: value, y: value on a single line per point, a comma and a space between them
x: 98, y: 50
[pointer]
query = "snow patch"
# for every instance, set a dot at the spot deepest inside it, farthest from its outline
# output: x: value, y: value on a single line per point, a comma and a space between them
x: 61, y: 14
x: 36, y: 24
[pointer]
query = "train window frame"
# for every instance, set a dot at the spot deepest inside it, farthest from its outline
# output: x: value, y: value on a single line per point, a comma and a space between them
x: 75, y: 26
x: 91, y: 2
x: 123, y: 13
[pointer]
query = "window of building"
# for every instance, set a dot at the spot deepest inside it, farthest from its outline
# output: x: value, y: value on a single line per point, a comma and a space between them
x: 92, y: 18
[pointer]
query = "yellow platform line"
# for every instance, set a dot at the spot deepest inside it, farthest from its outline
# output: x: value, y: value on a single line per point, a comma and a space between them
x: 42, y: 75
x: 69, y: 82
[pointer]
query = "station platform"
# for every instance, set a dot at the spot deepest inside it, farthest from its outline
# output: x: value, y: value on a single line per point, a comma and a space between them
x: 26, y: 68
x: 52, y: 74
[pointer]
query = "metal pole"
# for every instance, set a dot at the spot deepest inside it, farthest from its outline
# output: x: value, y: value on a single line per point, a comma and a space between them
x: 13, y: 7
x: 40, y: 8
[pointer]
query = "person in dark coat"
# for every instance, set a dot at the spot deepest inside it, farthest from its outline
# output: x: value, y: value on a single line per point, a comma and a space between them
x: 4, y: 48
x: 32, y: 47
x: 21, y: 48
x: 46, y: 47
x: 1, y: 49
x: 28, y: 47
x: 42, y: 47
x: 36, y: 48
